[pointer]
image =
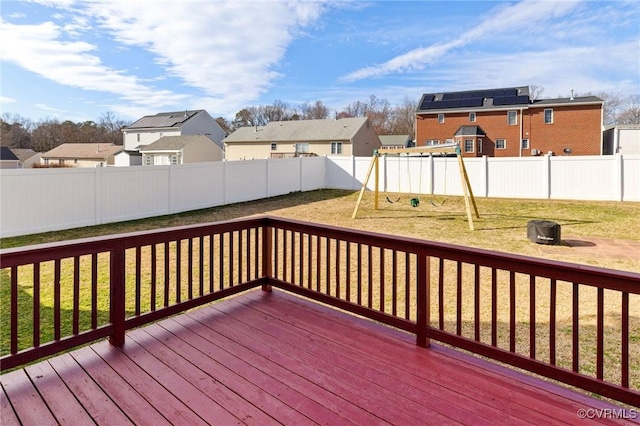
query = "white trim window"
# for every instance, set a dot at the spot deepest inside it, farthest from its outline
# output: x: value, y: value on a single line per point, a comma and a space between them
x: 148, y: 160
x: 524, y: 144
x: 431, y: 142
x: 274, y: 146
x: 512, y: 118
x: 302, y: 148
x: 548, y: 116
x: 175, y: 159
x: 472, y: 117
x: 336, y: 148
x: 501, y: 144
x: 480, y: 146
x: 468, y: 145
x: 441, y: 118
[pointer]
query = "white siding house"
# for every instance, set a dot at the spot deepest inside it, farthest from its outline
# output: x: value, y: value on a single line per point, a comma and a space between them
x: 180, y: 150
x: 150, y: 128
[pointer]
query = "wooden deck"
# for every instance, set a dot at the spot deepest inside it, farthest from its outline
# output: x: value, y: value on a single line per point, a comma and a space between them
x: 273, y: 358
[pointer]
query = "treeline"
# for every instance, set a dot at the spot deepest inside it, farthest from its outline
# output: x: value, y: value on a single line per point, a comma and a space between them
x: 20, y: 132
x: 386, y: 119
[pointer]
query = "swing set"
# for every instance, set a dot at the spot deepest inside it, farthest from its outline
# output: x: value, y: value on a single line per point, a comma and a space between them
x: 443, y: 149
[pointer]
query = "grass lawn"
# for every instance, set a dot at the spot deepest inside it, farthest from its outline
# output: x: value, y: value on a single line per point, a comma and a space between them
x: 501, y: 226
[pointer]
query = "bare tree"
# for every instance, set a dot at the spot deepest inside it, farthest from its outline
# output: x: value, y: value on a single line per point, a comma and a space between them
x: 535, y: 92
x: 15, y: 131
x: 403, y: 118
x: 112, y: 128
x: 630, y: 113
x: 315, y: 111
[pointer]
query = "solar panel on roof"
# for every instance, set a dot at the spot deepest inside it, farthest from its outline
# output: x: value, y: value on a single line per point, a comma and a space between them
x: 425, y: 105
x: 447, y: 96
x: 428, y: 98
x: 455, y: 103
x: 476, y: 102
x: 522, y: 99
x: 510, y: 100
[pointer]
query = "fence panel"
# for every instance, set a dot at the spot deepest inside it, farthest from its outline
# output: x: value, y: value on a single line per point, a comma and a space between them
x: 584, y: 178
x: 41, y: 200
x: 630, y: 178
x: 196, y: 186
x: 245, y: 180
x: 339, y: 173
x: 516, y: 177
x: 313, y: 173
x: 283, y: 176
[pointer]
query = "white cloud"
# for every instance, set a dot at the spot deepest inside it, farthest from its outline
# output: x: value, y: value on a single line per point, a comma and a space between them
x: 6, y: 100
x: 523, y: 17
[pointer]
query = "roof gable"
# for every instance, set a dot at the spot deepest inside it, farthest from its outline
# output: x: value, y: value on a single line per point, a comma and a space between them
x: 300, y: 130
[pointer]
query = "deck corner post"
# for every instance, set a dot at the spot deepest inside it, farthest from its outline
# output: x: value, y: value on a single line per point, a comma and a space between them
x: 117, y: 299
x: 267, y: 258
x: 423, y: 302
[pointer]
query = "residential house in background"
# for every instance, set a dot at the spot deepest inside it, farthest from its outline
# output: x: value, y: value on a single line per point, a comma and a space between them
x: 395, y: 141
x: 506, y: 123
x: 28, y: 157
x: 81, y: 155
x: 180, y: 150
x: 621, y: 139
x: 8, y: 160
x: 127, y: 158
x: 150, y: 128
x: 280, y: 139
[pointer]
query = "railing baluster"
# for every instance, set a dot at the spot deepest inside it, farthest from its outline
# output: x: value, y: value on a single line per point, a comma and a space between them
x: 575, y: 329
x: 394, y: 282
x: 211, y: 260
x: 221, y: 260
x: 381, y: 267
x: 117, y: 295
x: 532, y: 316
x: 441, y: 293
x: 14, y: 309
x: 600, y: 335
x: 459, y: 298
x: 232, y: 255
x: 494, y: 307
x: 369, y: 276
x: 327, y: 266
x: 407, y: 286
x: 76, y: 296
x: 476, y: 302
x: 138, y: 277
x: 240, y: 255
x: 190, y: 269
x: 625, y: 341
x: 166, y: 274
x: 552, y: 322
x: 256, y: 257
x: 36, y: 304
x: 309, y: 264
x: 94, y: 291
x: 201, y: 266
x: 56, y: 300
x: 348, y: 271
x: 301, y: 258
x: 178, y: 271
x: 337, y: 263
x: 154, y: 278
x: 285, y: 258
x: 512, y: 311
x: 293, y: 258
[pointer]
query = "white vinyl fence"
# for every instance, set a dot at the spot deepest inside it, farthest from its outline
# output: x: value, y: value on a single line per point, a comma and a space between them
x: 40, y: 200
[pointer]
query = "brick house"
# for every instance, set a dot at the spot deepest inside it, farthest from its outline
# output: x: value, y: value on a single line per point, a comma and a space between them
x: 507, y: 123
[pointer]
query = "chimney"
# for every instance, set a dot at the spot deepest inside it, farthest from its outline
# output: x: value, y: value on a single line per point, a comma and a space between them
x: 571, y: 95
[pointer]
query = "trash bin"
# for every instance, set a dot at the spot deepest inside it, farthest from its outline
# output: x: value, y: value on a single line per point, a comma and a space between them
x: 544, y: 232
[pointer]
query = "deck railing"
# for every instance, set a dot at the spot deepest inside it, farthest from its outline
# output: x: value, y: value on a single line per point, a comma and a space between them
x: 573, y: 323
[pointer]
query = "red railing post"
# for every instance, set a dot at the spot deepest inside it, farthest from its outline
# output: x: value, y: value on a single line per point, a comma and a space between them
x: 423, y: 303
x: 117, y: 299
x: 267, y: 271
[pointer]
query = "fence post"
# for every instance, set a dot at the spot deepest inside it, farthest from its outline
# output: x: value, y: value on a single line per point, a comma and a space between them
x: 267, y: 271
x: 423, y: 302
x: 117, y: 289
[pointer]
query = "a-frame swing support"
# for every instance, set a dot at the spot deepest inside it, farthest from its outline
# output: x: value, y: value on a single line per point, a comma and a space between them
x: 374, y: 167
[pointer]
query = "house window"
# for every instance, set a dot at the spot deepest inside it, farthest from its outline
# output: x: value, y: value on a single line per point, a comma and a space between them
x: 548, y: 116
x: 148, y: 160
x: 468, y: 145
x: 302, y: 148
x: 440, y: 118
x: 138, y: 137
x: 525, y: 144
x: 472, y: 117
x: 336, y: 147
x: 431, y: 142
x: 501, y: 144
x: 512, y: 118
x: 480, y: 146
x: 174, y: 159
x: 274, y: 147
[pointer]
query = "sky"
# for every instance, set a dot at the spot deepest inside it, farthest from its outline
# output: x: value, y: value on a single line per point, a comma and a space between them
x: 77, y: 60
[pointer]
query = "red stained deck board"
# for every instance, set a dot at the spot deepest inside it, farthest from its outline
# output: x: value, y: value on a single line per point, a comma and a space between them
x: 200, y: 377
x: 302, y: 403
x: 524, y: 401
x: 145, y: 383
x: 454, y: 405
x: 336, y: 380
x: 227, y: 377
x: 7, y: 415
x: 95, y: 401
x: 299, y: 383
x: 60, y: 400
x: 25, y: 399
x: 134, y: 405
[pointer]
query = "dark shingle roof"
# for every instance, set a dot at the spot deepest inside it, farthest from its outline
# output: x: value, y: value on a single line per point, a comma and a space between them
x: 164, y: 120
x: 7, y: 155
x: 470, y: 131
